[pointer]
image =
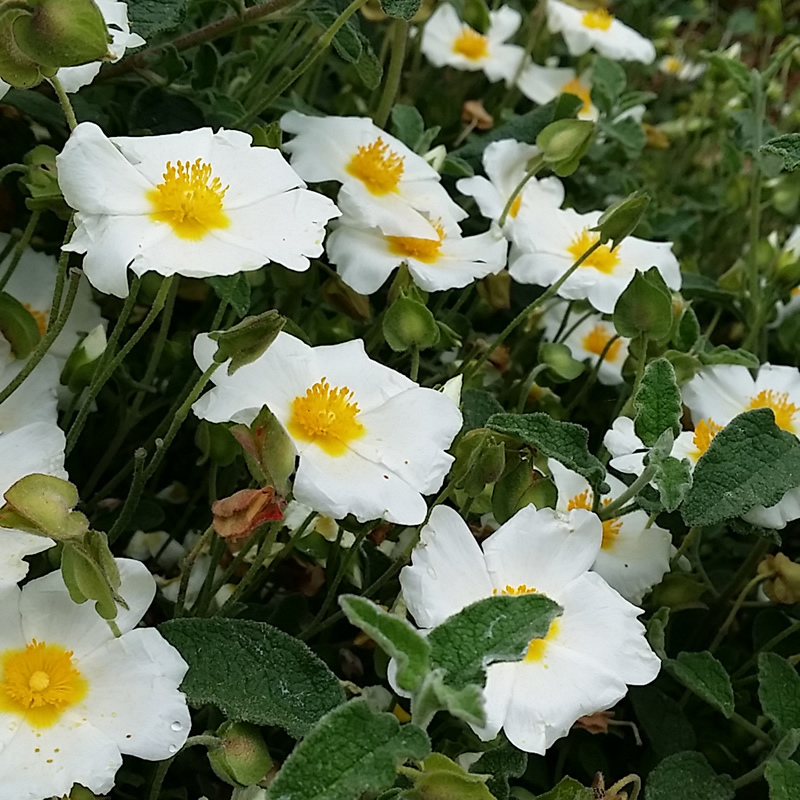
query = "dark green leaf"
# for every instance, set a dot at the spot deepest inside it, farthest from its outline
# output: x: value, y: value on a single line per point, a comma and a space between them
x: 253, y: 672
x: 779, y: 691
x: 662, y: 721
x: 568, y: 789
x: 730, y: 68
x: 787, y: 147
x: 234, y: 290
x: 722, y: 354
x: 148, y: 17
x: 502, y: 763
x: 457, y: 167
x: 629, y: 133
x: 783, y: 778
x: 687, y: 776
x: 477, y: 405
x: 608, y: 83
x: 706, y: 677
x: 368, y: 67
x: 347, y: 41
x: 400, y: 9
x: 407, y: 124
x: 657, y: 402
x: 644, y: 307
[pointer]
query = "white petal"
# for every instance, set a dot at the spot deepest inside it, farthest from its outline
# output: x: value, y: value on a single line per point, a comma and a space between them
x: 503, y: 24
x: 35, y: 401
x: 497, y: 697
x: 777, y: 516
x: 719, y: 392
x: 38, y: 447
x: 14, y: 547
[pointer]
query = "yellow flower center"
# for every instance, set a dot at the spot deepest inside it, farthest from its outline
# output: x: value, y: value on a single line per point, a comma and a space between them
x: 515, y: 206
x: 611, y: 527
x: 39, y: 316
x: 537, y: 647
x: 604, y: 259
x: 597, y: 18
x: 782, y: 408
x: 673, y: 65
x: 596, y: 340
x: 327, y: 417
x: 377, y: 167
x: 704, y: 432
x: 189, y: 200
x: 470, y: 44
x: 39, y: 682
x: 425, y: 250
x: 580, y: 91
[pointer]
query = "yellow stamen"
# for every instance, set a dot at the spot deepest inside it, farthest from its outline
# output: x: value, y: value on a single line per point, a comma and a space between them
x: 781, y: 406
x: 327, y: 417
x: 377, y: 167
x: 39, y: 316
x: 515, y: 206
x: 596, y: 340
x: 704, y: 432
x: 580, y: 91
x: 538, y: 647
x: 611, y: 527
x: 597, y: 18
x: 471, y: 44
x: 604, y: 259
x: 189, y: 200
x: 513, y: 591
x: 39, y: 682
x: 673, y: 65
x: 425, y: 250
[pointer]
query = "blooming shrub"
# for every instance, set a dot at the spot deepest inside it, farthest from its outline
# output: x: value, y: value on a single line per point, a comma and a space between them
x: 399, y: 400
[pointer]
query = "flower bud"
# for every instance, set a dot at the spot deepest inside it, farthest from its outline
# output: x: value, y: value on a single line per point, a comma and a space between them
x: 644, y: 307
x: 16, y: 67
x: 340, y: 297
x: 242, y: 758
x: 520, y: 487
x: 496, y: 290
x: 480, y: 460
x: 784, y: 585
x: 248, y: 340
x: 476, y: 14
x: 41, y: 182
x: 564, y: 143
x: 237, y: 516
x: 268, y: 450
x: 408, y: 323
x: 558, y: 358
x: 18, y: 326
x: 84, y: 360
x: 91, y: 573
x: 620, y: 220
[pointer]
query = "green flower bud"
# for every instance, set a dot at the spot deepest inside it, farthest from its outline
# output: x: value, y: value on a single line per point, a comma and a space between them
x: 644, y: 307
x: 496, y: 290
x: 90, y: 573
x: 408, y: 323
x: 476, y: 14
x: 18, y: 326
x: 340, y: 297
x: 84, y: 360
x: 620, y: 220
x: 480, y: 460
x: 558, y: 358
x: 242, y: 758
x: 268, y: 450
x: 16, y: 67
x: 248, y: 340
x: 564, y: 143
x: 518, y: 488
x: 41, y: 182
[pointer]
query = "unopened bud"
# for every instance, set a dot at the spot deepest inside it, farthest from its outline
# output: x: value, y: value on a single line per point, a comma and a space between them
x: 237, y: 516
x: 41, y: 182
x: 18, y: 326
x: 564, y: 143
x: 518, y: 488
x: 473, y: 113
x: 409, y: 323
x: 340, y: 297
x: 558, y: 358
x: 248, y: 340
x: 242, y: 758
x: 476, y: 14
x: 496, y: 290
x: 16, y: 67
x: 91, y: 573
x: 644, y: 307
x: 42, y: 504
x: 268, y: 450
x: 480, y: 460
x: 84, y: 360
x: 620, y: 220
x: 783, y: 585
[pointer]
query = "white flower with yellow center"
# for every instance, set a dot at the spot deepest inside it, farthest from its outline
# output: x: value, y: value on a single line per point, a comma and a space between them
x: 447, y: 41
x: 74, y: 698
x: 505, y: 163
x: 34, y: 448
x: 388, y: 182
x: 552, y: 239
x: 196, y: 203
x: 721, y: 392
x: 596, y: 29
x: 591, y: 652
x: 33, y: 283
x: 543, y: 84
x: 681, y: 68
x: 588, y: 338
x: 365, y: 256
x: 633, y: 556
x: 371, y: 442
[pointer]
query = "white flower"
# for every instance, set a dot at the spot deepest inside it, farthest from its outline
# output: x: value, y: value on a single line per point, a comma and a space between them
x: 681, y: 68
x: 633, y: 556
x: 591, y: 651
x: 597, y: 29
x: 35, y: 399
x: 371, y: 442
x: 116, y: 17
x: 587, y: 340
x: 389, y: 183
x: 721, y: 392
x: 75, y: 698
x: 551, y: 239
x: 543, y: 84
x: 34, y: 448
x: 449, y: 42
x: 365, y: 256
x: 505, y: 163
x: 196, y: 203
x: 327, y: 527
x: 33, y: 283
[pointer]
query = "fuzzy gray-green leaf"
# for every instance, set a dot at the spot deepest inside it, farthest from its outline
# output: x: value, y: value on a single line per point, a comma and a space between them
x: 657, y: 402
x: 706, y: 677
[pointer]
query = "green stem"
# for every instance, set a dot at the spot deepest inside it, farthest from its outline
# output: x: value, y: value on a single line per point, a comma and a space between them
x: 19, y: 248
x: 611, y: 510
x: 767, y: 647
x: 414, y: 371
x: 66, y: 105
x: 536, y: 164
x: 8, y: 169
x: 687, y: 541
x: 748, y: 726
x: 528, y: 385
x: 132, y: 500
x: 394, y: 73
x: 592, y: 377
x: 186, y: 570
x: 45, y: 344
x: 61, y: 273
x: 726, y: 626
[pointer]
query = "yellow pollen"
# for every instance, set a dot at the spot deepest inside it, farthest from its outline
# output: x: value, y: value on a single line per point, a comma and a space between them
x: 782, y: 408
x: 515, y: 206
x: 513, y: 591
x: 327, y: 417
x: 39, y: 316
x: 580, y: 91
x: 425, y: 250
x: 39, y: 682
x: 538, y: 647
x: 189, y: 200
x: 795, y: 292
x: 470, y: 44
x: 673, y: 65
x: 596, y: 340
x: 377, y: 167
x: 598, y: 19
x: 611, y: 527
x: 604, y: 259
x: 704, y: 432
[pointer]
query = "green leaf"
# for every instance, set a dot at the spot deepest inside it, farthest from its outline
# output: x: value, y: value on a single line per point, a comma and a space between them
x: 644, y: 307
x: 657, y: 402
x: 400, y: 9
x: 608, y: 83
x: 457, y: 167
x: 779, y: 691
x: 477, y: 406
x: 347, y: 41
x: 568, y: 789
x: 662, y: 720
x: 722, y: 354
x: 18, y: 326
x: 783, y: 778
x: 350, y: 751
x: 368, y: 66
x: 148, y: 17
x: 502, y: 763
x: 234, y: 290
x: 657, y: 631
x: 673, y: 479
x: 687, y: 776
x: 749, y: 462
x: 629, y: 133
x: 394, y: 635
x: 730, y: 68
x: 442, y: 779
x: 253, y: 673
x: 706, y: 677
x: 787, y: 147
x: 498, y: 628
x: 407, y: 124
x: 687, y: 331
x: 564, y: 441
